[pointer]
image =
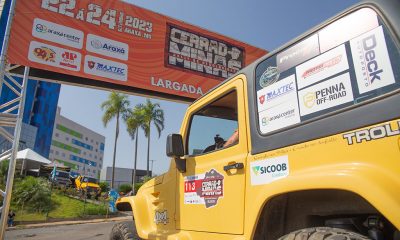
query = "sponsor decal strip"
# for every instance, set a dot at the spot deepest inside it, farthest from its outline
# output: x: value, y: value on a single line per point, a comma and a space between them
x: 107, y: 47
x: 106, y: 68
x: 373, y: 133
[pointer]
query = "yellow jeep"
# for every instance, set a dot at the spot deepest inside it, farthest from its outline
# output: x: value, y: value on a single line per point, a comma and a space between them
x: 317, y: 154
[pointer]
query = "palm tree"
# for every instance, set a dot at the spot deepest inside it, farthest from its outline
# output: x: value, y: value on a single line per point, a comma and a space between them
x: 152, y: 113
x: 115, y: 106
x: 134, y: 120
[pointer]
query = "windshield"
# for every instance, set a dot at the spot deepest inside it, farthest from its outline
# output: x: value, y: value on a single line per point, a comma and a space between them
x: 62, y: 174
x: 89, y: 180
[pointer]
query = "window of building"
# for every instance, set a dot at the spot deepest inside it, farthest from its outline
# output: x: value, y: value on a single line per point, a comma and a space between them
x: 95, y: 157
x: 84, y: 153
x: 67, y: 138
x: 63, y: 154
x: 100, y: 165
x: 57, y: 135
x: 91, y: 140
x: 86, y: 138
x: 57, y: 153
x: 51, y: 150
x: 214, y: 127
x: 97, y: 143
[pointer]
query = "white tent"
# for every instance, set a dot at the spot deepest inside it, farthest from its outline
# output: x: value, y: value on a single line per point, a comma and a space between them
x: 29, y: 159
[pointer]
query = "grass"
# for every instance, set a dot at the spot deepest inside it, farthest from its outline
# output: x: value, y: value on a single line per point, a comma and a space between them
x: 64, y: 207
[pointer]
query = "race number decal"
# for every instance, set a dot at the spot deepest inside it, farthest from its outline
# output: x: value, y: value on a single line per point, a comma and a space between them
x: 204, y: 188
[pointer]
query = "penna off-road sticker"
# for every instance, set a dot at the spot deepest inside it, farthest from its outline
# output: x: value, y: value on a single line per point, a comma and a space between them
x: 204, y: 188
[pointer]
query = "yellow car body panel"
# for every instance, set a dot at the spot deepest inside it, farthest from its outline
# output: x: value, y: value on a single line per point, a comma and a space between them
x: 362, y: 161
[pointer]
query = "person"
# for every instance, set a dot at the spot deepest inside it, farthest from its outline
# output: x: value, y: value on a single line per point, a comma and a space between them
x: 232, y: 140
x: 11, y: 216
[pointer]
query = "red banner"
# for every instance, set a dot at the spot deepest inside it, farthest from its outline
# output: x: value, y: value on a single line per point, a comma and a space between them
x: 119, y: 43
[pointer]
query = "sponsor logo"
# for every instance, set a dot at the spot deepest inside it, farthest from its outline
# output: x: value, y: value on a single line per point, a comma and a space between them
x: 277, y: 92
x: 41, y: 28
x: 91, y: 64
x: 107, y: 47
x: 96, y: 44
x: 298, y: 53
x: 201, y: 54
x: 44, y: 53
x: 321, y: 96
x: 371, y: 61
x: 69, y: 59
x: 106, y: 68
x: 57, y: 33
x: 54, y: 56
x: 373, y: 133
x: 161, y: 217
x: 266, y: 120
x: 176, y: 86
x: 270, y: 76
x: 44, y: 29
x: 204, y: 188
x: 269, y: 170
x: 325, y: 95
x: 321, y: 67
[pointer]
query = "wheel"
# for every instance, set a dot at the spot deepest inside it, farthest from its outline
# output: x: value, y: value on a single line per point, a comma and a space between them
x: 325, y: 233
x: 124, y: 231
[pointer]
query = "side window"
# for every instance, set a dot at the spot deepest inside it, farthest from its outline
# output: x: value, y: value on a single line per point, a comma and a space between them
x: 214, y: 127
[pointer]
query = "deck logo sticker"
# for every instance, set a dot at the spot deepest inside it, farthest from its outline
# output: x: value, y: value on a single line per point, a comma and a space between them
x: 325, y: 95
x: 269, y: 170
x: 371, y: 61
x: 321, y: 67
x: 204, y: 189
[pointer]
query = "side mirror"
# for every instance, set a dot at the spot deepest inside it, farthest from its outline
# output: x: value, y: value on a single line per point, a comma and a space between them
x: 175, y: 146
x: 175, y: 149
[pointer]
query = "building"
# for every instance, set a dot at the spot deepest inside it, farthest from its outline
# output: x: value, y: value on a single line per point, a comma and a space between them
x: 77, y: 147
x: 121, y: 175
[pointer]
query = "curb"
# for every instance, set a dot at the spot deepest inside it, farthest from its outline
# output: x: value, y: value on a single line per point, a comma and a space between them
x: 65, y: 223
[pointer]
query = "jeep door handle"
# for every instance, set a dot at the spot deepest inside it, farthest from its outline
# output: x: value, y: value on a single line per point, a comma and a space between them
x: 233, y: 166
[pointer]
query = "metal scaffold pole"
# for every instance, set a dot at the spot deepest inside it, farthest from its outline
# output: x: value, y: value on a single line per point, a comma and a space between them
x: 4, y: 48
x: 11, y: 113
x: 15, y: 145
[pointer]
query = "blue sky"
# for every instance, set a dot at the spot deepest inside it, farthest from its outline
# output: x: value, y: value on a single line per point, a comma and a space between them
x: 263, y: 23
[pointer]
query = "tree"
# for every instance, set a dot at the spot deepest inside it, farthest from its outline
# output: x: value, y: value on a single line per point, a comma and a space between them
x: 134, y: 120
x: 152, y: 113
x: 115, y: 106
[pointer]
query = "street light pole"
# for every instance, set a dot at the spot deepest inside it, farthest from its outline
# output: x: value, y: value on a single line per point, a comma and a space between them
x: 152, y: 161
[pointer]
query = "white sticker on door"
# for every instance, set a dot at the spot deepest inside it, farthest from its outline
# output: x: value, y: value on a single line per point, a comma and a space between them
x: 269, y: 170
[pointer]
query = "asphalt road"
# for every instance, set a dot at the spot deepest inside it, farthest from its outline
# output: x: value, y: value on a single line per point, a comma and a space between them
x: 89, y: 231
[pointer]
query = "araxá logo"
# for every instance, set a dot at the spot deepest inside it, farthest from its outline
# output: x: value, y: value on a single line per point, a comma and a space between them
x: 269, y: 170
x: 371, y: 61
x: 107, y: 47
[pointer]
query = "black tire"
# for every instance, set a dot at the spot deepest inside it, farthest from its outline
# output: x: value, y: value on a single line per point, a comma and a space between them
x: 124, y: 231
x: 323, y: 233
